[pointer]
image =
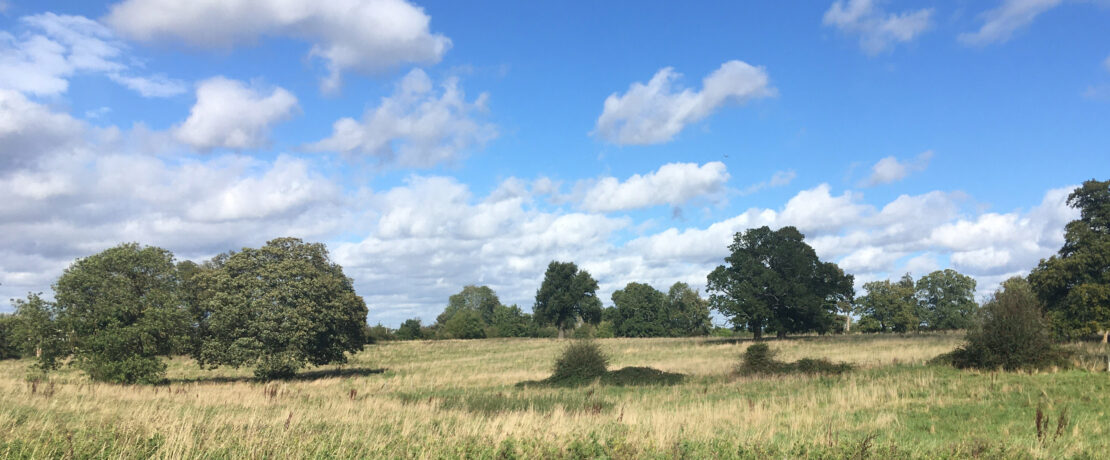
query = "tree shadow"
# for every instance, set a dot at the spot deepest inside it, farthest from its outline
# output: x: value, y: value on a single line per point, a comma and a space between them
x: 299, y: 377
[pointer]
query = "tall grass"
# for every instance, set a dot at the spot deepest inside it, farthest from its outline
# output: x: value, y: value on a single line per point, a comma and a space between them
x: 460, y: 399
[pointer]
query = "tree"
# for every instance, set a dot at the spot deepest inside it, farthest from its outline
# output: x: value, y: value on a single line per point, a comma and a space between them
x: 1013, y: 334
x: 35, y: 331
x: 8, y: 346
x: 641, y: 311
x: 1074, y: 284
x: 890, y: 305
x: 688, y: 311
x: 411, y: 329
x: 120, y: 310
x: 464, y: 324
x: 479, y: 299
x: 947, y: 300
x: 509, y: 322
x: 278, y: 308
x: 775, y: 282
x: 566, y: 296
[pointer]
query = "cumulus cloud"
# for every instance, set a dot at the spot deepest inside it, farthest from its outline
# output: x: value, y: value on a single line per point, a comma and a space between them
x: 1000, y: 23
x: 877, y: 30
x: 416, y: 126
x: 890, y: 169
x: 656, y: 112
x: 229, y: 114
x: 54, y: 48
x: 29, y: 129
x: 366, y: 36
x: 672, y: 183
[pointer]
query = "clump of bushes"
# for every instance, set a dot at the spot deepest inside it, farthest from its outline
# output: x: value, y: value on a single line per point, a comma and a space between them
x: 1012, y: 334
x: 759, y: 359
x: 581, y: 360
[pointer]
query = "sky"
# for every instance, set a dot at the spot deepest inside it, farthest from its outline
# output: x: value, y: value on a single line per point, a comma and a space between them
x: 438, y: 144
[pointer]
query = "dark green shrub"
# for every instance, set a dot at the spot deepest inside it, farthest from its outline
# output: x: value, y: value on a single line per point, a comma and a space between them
x: 581, y: 360
x: 9, y: 349
x: 131, y: 369
x: 1012, y: 334
x: 759, y: 359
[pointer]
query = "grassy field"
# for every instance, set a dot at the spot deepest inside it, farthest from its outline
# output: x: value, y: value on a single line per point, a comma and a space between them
x: 452, y: 399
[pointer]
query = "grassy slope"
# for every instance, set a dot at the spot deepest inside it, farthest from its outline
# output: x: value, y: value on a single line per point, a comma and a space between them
x: 458, y: 399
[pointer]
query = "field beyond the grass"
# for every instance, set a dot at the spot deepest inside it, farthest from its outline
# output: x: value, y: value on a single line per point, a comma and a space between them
x: 459, y: 399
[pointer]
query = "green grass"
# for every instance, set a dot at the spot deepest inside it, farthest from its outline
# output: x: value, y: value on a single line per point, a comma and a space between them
x: 669, y: 398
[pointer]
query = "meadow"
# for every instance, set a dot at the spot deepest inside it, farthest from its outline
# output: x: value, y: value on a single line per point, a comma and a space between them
x: 456, y: 399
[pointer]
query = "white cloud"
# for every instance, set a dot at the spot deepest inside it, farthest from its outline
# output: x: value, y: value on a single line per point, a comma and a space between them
x: 999, y: 24
x: 890, y: 169
x: 28, y: 130
x: 779, y: 179
x: 57, y: 47
x: 817, y: 211
x: 673, y: 183
x: 366, y: 36
x: 656, y: 112
x: 416, y: 126
x: 228, y: 114
x: 877, y: 30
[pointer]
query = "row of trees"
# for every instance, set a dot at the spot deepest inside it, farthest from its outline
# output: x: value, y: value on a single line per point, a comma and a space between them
x: 941, y: 300
x: 276, y: 309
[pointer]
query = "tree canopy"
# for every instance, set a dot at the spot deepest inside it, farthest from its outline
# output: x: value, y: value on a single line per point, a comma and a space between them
x: 1074, y: 284
x: 774, y: 282
x: 947, y: 300
x: 566, y: 296
x: 888, y: 306
x: 119, y: 310
x: 278, y: 308
x: 641, y: 311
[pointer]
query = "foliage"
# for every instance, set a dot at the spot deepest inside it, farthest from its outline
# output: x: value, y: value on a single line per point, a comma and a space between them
x: 641, y: 311
x: 278, y: 308
x: 775, y: 282
x: 1074, y: 284
x: 378, y: 333
x: 1012, y: 335
x: 463, y: 324
x: 581, y: 360
x: 688, y: 311
x: 759, y: 359
x: 9, y: 349
x: 121, y: 309
x: 888, y: 306
x: 509, y: 321
x: 479, y: 299
x: 410, y: 330
x: 35, y: 331
x: 946, y: 300
x: 566, y: 296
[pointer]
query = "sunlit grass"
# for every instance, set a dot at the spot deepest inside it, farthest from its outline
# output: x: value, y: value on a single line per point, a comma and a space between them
x: 452, y: 399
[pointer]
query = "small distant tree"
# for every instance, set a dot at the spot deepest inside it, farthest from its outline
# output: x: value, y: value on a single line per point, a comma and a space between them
x: 279, y: 308
x: 35, y: 331
x: 1012, y: 333
x: 464, y: 324
x: 688, y: 311
x: 774, y: 281
x: 946, y: 300
x: 478, y: 299
x: 379, y: 333
x: 8, y: 346
x: 566, y: 296
x: 888, y: 307
x: 1074, y: 284
x: 509, y: 321
x: 410, y: 330
x: 120, y: 309
x: 641, y: 311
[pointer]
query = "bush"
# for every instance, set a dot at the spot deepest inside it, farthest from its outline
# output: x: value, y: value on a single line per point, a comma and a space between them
x: 131, y: 369
x: 759, y: 359
x: 581, y: 360
x: 1012, y: 334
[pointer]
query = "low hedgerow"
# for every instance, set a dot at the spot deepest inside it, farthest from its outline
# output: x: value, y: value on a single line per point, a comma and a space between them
x: 759, y: 359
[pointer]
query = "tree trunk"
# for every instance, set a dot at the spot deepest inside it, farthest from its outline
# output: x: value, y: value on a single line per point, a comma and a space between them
x: 847, y: 324
x: 780, y: 334
x: 562, y: 334
x: 1104, y: 334
x: 757, y: 333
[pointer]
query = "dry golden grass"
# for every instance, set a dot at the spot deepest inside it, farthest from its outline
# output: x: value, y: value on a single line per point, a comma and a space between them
x: 452, y: 399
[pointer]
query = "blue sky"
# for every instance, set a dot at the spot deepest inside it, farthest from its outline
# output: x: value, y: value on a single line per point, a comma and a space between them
x: 437, y: 144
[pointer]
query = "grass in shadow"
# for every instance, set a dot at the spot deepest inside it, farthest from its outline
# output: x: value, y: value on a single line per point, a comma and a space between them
x: 303, y: 376
x: 628, y: 376
x: 759, y: 359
